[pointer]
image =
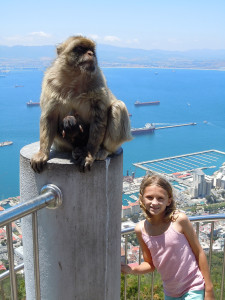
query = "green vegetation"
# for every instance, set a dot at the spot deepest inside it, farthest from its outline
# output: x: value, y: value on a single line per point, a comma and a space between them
x: 5, y: 290
x: 214, y: 207
x: 145, y: 287
x: 210, y: 207
x: 132, y: 284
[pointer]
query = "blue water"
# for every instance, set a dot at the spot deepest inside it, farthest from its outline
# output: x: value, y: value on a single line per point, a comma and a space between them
x: 185, y: 96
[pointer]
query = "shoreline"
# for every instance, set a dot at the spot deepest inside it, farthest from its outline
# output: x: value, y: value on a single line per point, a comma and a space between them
x: 162, y: 68
x: 102, y: 66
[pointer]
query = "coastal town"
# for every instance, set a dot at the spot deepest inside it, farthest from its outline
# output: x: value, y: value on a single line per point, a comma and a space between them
x: 16, y: 236
x: 196, y: 193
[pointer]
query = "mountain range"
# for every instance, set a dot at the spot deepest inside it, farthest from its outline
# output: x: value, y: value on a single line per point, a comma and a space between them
x: 111, y: 56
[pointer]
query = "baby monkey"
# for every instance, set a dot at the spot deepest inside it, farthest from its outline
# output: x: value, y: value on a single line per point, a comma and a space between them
x: 76, y: 132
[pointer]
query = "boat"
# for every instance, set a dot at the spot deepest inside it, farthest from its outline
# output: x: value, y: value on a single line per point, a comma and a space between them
x: 16, y: 86
x: 138, y: 103
x: 149, y: 127
x: 31, y: 103
x: 7, y: 143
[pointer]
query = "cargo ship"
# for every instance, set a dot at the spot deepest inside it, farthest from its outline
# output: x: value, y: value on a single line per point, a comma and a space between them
x: 149, y: 127
x: 138, y: 103
x: 7, y: 143
x: 31, y: 103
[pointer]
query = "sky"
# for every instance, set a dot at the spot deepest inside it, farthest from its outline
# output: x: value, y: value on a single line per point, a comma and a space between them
x: 145, y: 24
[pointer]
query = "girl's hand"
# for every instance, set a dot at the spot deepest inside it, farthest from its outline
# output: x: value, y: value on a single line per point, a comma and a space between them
x: 126, y: 269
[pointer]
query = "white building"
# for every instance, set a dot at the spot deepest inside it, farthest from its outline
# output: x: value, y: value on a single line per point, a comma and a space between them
x: 219, y: 179
x: 222, y: 185
x: 202, y: 184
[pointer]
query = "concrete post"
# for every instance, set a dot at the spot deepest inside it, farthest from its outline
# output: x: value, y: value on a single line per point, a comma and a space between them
x: 79, y: 242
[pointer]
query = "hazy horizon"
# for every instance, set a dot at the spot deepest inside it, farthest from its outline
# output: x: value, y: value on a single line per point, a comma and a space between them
x: 122, y: 47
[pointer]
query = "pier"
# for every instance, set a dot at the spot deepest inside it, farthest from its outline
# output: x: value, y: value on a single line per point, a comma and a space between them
x: 171, y: 126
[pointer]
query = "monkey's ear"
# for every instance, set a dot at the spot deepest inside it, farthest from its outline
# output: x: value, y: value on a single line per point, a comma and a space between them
x: 59, y: 48
x: 81, y: 128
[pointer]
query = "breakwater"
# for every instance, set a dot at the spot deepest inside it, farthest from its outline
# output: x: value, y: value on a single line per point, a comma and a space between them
x: 171, y: 126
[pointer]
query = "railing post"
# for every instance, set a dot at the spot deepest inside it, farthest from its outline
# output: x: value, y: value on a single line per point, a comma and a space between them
x: 11, y: 262
x: 79, y: 242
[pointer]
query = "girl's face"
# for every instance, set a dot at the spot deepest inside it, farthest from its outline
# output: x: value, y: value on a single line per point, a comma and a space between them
x: 155, y: 200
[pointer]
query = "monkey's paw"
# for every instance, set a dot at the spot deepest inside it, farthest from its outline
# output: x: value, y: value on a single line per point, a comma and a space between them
x: 38, y: 161
x: 86, y: 163
x: 82, y: 158
x: 102, y: 154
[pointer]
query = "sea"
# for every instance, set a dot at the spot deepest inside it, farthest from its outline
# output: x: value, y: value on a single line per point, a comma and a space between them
x: 185, y: 96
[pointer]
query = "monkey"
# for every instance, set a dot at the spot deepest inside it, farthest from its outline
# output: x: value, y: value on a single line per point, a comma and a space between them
x: 75, y: 84
x: 76, y: 132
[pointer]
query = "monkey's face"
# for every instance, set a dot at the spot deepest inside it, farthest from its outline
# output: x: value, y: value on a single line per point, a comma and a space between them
x: 79, y: 53
x: 70, y: 127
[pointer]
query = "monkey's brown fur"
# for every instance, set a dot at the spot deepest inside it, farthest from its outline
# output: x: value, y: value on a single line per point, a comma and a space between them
x: 74, y: 84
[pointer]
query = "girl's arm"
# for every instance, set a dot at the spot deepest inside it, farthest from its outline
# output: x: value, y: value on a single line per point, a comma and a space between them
x: 189, y: 232
x: 146, y: 266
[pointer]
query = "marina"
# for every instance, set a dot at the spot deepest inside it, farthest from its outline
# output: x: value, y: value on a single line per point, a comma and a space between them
x: 209, y: 159
x: 177, y: 169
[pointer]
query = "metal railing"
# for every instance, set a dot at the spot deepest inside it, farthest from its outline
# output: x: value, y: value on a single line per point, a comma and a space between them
x: 50, y: 197
x: 197, y: 220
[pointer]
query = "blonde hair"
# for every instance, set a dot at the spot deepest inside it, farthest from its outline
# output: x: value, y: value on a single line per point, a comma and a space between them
x: 150, y: 180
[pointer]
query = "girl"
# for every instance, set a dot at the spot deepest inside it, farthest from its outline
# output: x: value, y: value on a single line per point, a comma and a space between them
x: 169, y: 244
